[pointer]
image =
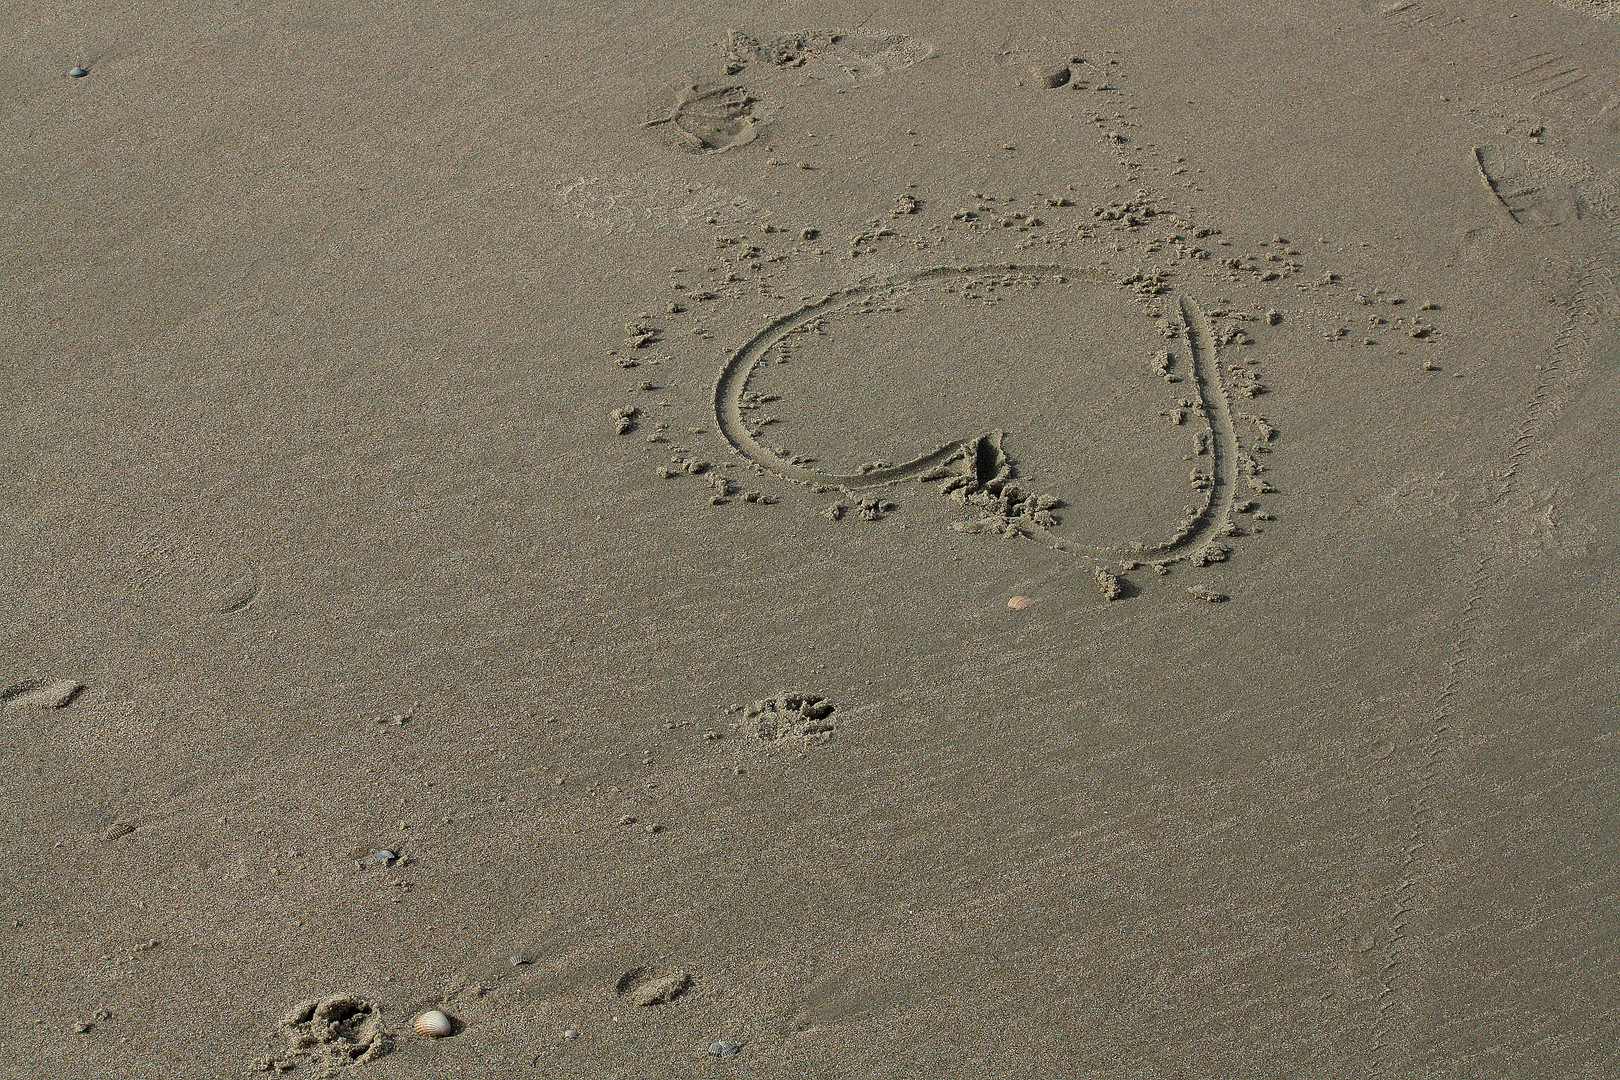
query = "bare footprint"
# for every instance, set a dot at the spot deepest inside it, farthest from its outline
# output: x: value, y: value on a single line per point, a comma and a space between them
x: 1531, y: 196
x: 835, y: 55
x: 626, y: 204
x: 809, y: 717
x: 646, y: 986
x: 332, y: 1034
x: 712, y: 117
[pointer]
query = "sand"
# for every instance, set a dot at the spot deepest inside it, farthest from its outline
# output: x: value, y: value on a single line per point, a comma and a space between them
x: 516, y: 511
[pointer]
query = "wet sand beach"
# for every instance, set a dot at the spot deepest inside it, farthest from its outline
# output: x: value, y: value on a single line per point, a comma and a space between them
x: 919, y: 541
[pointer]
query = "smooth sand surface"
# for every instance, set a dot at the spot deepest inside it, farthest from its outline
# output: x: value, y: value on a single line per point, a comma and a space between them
x: 451, y: 432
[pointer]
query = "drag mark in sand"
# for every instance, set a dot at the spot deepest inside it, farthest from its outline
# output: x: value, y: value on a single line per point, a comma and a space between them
x: 1216, y: 516
x: 1546, y: 73
x: 978, y: 461
x: 242, y: 592
x: 1409, y: 14
x: 1436, y: 735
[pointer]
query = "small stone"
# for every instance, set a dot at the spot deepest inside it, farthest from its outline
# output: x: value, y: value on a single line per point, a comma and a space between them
x: 1052, y: 77
x: 77, y: 73
x: 723, y: 1048
x: 570, y: 1033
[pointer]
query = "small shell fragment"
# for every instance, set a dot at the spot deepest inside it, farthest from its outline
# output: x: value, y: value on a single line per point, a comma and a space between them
x: 433, y: 1024
x: 1019, y: 603
x: 77, y: 73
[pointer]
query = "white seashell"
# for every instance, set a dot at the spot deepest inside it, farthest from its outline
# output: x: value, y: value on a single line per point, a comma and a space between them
x: 433, y: 1024
x: 77, y: 73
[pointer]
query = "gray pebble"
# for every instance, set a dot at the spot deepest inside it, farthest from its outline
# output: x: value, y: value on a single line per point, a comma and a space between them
x: 77, y: 73
x: 724, y: 1048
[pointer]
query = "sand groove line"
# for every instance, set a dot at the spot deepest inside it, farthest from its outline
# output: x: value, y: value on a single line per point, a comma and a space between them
x: 1214, y: 408
x: 1534, y: 71
x: 1217, y: 410
x: 1439, y: 738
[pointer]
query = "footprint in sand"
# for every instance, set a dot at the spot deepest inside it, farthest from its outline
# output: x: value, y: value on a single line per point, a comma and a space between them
x: 332, y: 1034
x: 712, y: 117
x: 648, y: 986
x: 190, y: 578
x: 627, y: 204
x: 834, y: 55
x: 1532, y: 195
x: 808, y: 717
x: 715, y: 116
